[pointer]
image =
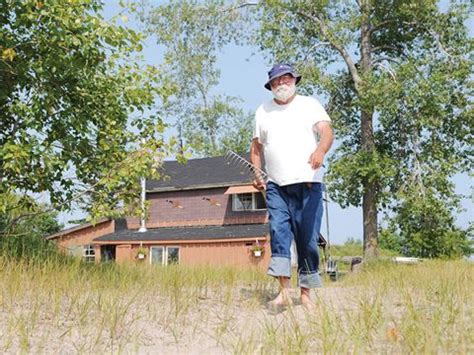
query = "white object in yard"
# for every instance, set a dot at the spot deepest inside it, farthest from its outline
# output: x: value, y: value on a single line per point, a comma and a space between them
x: 406, y: 260
x: 257, y: 253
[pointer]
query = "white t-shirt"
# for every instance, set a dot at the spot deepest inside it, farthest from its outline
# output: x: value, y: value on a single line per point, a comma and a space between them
x: 288, y: 136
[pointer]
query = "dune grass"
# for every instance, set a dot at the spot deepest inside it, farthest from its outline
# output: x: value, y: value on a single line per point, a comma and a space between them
x: 62, y: 305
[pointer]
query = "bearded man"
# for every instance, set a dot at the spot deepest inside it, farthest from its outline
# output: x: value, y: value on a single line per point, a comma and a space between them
x: 292, y: 135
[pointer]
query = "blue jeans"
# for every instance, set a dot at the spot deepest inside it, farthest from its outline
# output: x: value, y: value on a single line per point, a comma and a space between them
x: 295, y: 212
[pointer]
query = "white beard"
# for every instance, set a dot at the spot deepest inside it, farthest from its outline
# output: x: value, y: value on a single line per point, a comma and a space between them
x: 284, y: 92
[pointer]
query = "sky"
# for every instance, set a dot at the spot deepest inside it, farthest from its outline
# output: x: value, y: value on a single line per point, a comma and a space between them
x: 243, y: 74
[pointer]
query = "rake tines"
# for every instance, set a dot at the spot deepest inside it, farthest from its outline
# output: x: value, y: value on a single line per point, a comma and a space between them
x: 237, y: 160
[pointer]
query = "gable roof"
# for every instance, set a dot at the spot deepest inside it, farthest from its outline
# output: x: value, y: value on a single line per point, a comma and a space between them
x: 233, y: 231
x: 200, y: 174
x: 77, y: 228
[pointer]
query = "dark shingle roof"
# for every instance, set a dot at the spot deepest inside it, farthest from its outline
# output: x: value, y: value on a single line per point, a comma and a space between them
x: 200, y: 173
x: 188, y: 233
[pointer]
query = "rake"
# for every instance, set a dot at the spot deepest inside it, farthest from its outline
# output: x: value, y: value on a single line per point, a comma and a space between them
x: 237, y: 160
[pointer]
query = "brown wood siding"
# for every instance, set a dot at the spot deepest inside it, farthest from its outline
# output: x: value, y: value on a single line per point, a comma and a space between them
x: 86, y: 235
x: 208, y: 253
x: 222, y: 254
x: 195, y: 211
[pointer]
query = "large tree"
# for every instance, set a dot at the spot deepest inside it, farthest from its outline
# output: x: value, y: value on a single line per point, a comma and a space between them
x: 397, y: 75
x: 192, y: 35
x: 75, y: 105
x: 398, y: 78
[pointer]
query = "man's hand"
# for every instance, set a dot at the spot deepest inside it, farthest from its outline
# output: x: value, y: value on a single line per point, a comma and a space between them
x: 256, y: 159
x: 259, y: 183
x: 326, y: 137
x: 316, y: 159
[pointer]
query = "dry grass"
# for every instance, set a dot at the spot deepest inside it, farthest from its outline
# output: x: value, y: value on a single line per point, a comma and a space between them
x: 70, y: 307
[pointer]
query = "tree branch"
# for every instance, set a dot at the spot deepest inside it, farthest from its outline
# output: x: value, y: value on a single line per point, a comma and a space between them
x: 387, y: 69
x: 382, y: 24
x: 345, y: 55
x: 240, y: 6
x: 90, y: 189
x: 379, y: 26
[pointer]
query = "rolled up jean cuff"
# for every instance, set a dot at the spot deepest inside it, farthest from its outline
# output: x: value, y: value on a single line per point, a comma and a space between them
x: 280, y: 266
x: 309, y: 280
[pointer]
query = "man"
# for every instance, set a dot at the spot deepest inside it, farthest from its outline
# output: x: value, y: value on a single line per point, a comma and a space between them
x: 292, y: 134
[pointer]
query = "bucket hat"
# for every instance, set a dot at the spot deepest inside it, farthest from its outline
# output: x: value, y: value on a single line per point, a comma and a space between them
x: 279, y: 70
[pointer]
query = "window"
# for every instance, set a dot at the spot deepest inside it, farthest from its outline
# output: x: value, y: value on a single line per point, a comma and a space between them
x: 157, y: 255
x: 164, y: 255
x: 172, y: 255
x: 248, y: 202
x: 88, y: 253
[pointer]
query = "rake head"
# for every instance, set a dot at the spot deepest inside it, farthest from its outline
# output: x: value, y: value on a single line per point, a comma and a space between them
x: 238, y: 161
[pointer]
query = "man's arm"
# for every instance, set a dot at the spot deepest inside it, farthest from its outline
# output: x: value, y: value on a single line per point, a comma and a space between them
x: 256, y: 160
x: 326, y: 138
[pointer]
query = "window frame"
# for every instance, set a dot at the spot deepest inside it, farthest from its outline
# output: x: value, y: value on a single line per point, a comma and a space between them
x: 164, y: 255
x: 254, y: 202
x: 88, y: 253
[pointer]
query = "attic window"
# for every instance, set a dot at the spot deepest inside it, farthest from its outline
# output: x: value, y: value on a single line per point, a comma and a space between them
x: 248, y: 202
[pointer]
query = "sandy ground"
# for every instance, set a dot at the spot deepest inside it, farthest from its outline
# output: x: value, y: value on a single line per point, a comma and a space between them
x: 149, y: 324
x: 235, y: 321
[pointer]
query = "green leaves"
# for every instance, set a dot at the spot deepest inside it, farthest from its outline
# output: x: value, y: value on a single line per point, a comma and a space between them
x: 424, y: 226
x: 71, y: 89
x: 193, y: 33
x: 398, y: 76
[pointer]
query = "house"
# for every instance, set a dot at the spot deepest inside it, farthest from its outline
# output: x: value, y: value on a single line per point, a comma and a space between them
x: 205, y: 212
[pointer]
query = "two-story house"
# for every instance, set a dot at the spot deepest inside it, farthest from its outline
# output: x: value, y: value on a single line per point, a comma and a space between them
x: 206, y: 212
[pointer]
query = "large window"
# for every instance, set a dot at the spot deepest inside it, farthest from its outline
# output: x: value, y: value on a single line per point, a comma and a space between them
x: 88, y: 253
x: 164, y: 255
x: 248, y: 202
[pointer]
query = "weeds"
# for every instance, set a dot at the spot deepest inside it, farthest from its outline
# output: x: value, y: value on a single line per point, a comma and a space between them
x: 63, y: 305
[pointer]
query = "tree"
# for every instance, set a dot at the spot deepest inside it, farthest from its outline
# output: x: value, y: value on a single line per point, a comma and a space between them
x: 26, y: 237
x: 397, y: 75
x: 423, y: 226
x: 398, y: 78
x: 193, y: 33
x: 74, y: 106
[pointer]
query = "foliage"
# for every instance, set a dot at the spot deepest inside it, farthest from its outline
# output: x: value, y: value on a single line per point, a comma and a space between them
x: 26, y: 236
x: 398, y: 78
x: 142, y: 251
x: 257, y: 247
x: 192, y: 33
x: 389, y: 240
x: 74, y: 105
x: 424, y: 226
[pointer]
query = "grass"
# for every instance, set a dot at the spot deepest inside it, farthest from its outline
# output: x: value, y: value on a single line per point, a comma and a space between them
x: 67, y: 306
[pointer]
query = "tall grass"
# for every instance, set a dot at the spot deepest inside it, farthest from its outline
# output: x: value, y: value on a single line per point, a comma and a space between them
x: 63, y: 305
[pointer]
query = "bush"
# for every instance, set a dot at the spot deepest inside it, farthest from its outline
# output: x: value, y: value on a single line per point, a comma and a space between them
x: 24, y: 224
x: 424, y: 226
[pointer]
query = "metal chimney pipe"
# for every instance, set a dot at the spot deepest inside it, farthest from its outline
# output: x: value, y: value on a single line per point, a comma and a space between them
x: 143, y: 196
x: 142, y: 228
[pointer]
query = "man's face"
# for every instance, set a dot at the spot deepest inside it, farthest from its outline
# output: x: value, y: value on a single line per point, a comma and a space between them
x: 286, y: 79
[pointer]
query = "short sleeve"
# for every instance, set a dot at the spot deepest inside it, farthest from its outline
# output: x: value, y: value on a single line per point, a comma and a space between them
x: 320, y: 113
x: 256, y: 127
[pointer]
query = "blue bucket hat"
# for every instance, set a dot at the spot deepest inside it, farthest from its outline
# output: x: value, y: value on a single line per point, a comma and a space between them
x: 279, y: 70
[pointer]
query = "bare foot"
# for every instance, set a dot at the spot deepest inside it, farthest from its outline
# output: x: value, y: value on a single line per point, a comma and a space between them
x: 306, y: 299
x: 282, y: 300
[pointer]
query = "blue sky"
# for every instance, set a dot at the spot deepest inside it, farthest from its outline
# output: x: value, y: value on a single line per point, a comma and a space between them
x: 243, y: 75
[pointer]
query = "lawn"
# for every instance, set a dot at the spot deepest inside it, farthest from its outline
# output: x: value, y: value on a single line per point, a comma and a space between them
x: 65, y: 306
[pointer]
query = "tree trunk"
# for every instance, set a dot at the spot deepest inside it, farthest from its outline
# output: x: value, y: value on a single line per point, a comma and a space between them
x: 369, y: 199
x: 369, y: 212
